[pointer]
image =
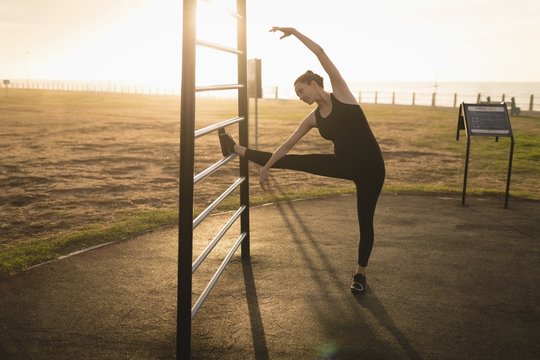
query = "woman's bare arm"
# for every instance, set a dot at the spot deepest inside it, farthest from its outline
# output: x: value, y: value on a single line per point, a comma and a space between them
x: 339, y: 86
x: 305, y: 126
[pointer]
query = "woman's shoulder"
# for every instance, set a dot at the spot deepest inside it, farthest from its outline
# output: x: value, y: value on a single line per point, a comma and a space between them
x: 345, y: 100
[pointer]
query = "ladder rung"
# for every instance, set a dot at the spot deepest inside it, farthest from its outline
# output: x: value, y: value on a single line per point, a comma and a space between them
x: 219, y: 47
x: 210, y: 128
x: 218, y: 87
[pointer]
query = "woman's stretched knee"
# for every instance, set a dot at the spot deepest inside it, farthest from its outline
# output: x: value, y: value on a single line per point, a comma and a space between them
x: 258, y: 157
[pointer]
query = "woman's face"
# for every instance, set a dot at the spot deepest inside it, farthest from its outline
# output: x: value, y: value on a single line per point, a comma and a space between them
x: 306, y: 92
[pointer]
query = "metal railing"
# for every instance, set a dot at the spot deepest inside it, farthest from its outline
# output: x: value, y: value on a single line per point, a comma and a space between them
x: 186, y: 266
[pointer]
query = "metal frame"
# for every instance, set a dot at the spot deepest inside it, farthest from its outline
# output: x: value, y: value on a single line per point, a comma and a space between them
x: 188, y: 134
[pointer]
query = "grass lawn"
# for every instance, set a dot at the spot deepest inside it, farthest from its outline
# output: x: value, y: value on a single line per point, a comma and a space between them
x: 80, y: 169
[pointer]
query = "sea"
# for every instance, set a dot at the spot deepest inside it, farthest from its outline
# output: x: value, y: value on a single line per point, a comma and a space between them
x: 525, y: 94
x: 424, y: 93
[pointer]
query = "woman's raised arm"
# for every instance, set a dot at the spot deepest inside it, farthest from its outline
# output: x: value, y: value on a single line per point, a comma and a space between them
x: 339, y: 86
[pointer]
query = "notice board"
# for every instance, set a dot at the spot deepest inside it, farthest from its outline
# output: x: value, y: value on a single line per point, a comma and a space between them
x: 484, y: 120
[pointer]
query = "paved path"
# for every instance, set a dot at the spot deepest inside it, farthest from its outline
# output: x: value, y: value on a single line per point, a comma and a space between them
x: 446, y: 282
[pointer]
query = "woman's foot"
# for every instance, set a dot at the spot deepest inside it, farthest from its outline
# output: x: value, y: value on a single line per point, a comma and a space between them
x: 359, y: 284
x: 226, y: 141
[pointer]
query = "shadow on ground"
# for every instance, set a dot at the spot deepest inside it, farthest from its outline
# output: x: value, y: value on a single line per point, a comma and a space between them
x: 445, y: 282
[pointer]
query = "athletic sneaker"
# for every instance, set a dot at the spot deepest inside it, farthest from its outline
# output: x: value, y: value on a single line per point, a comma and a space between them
x: 226, y: 141
x: 359, y: 284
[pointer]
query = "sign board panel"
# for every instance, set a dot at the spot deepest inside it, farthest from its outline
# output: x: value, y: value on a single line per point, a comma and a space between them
x: 486, y: 119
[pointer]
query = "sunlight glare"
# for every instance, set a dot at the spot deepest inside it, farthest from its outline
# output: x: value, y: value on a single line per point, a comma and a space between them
x: 142, y: 46
x: 216, y: 24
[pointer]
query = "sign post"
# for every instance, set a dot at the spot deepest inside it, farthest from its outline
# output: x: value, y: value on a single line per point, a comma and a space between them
x: 255, y: 90
x: 485, y: 120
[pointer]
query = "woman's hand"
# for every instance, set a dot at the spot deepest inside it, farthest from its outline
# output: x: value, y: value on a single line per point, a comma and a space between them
x: 287, y: 31
x: 263, y: 179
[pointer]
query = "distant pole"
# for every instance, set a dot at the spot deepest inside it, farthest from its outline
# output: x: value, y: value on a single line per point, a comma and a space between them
x: 26, y: 68
x: 256, y: 124
x: 531, y: 103
x: 6, y: 83
x: 413, y: 98
x: 478, y: 98
x: 254, y: 87
x: 376, y: 96
x: 455, y: 99
x: 393, y: 98
x: 503, y: 98
x: 433, y: 96
x: 359, y: 97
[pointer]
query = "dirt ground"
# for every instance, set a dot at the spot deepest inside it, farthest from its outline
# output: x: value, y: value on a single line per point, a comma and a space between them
x: 74, y: 159
x: 69, y: 160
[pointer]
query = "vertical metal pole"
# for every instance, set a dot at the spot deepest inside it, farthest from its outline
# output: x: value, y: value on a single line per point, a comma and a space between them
x: 256, y: 123
x: 187, y: 151
x: 466, y: 170
x: 243, y: 126
x: 509, y: 172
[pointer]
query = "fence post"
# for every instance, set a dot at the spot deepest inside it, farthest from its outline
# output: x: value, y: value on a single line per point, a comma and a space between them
x: 376, y: 96
x: 503, y: 98
x: 393, y: 98
x: 413, y: 98
x: 455, y: 99
x: 6, y: 83
x: 433, y: 99
x: 531, y: 103
x: 478, y: 98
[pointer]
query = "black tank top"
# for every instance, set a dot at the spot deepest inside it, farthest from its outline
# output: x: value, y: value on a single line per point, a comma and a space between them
x: 347, y: 127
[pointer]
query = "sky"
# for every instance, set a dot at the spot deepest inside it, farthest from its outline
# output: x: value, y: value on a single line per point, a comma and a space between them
x: 383, y: 40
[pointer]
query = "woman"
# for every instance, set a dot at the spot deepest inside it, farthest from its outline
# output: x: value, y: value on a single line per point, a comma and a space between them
x: 356, y: 157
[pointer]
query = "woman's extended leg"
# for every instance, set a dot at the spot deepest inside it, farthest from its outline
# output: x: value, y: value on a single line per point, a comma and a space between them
x: 318, y: 164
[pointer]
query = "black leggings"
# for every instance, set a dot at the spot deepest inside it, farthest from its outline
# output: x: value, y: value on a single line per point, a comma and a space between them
x: 368, y: 186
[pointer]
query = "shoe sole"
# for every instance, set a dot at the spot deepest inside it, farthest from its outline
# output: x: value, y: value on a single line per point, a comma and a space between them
x: 224, y: 152
x: 358, y: 291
